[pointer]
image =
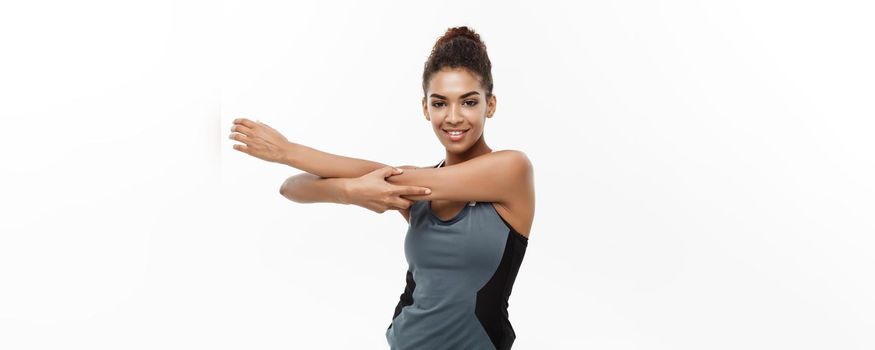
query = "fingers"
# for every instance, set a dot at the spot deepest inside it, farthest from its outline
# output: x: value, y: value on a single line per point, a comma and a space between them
x: 390, y: 170
x: 245, y: 122
x: 402, y: 203
x: 243, y: 129
x: 240, y: 137
x: 414, y: 190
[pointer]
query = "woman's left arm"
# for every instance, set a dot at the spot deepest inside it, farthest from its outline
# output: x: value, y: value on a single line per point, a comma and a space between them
x: 264, y: 142
x: 495, y: 177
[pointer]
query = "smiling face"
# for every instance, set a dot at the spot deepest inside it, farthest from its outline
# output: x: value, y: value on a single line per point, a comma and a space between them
x: 455, y: 100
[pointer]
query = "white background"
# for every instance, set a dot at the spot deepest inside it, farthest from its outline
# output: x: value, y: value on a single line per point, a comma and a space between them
x: 703, y: 171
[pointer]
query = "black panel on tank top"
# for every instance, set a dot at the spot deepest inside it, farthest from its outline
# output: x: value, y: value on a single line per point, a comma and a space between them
x: 492, y: 298
x: 406, y: 298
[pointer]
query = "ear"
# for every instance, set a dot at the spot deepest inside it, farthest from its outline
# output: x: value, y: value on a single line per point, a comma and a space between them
x: 425, y: 108
x: 490, y: 106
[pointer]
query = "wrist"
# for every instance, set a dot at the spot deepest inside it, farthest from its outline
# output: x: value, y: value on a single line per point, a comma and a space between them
x: 290, y: 151
x: 344, y: 192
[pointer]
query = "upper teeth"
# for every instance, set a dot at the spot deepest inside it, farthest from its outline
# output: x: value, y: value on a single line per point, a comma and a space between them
x: 456, y: 132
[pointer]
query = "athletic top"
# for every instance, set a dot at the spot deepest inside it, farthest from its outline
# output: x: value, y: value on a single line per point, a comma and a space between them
x: 460, y: 275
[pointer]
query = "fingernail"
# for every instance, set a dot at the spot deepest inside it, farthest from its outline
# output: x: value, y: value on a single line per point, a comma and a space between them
x: 399, y: 170
x: 427, y: 191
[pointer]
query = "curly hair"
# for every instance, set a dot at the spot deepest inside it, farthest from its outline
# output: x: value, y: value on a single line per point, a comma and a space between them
x: 459, y: 47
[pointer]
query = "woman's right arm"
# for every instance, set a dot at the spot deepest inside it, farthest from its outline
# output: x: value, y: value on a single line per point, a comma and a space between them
x: 309, y: 188
x: 370, y: 191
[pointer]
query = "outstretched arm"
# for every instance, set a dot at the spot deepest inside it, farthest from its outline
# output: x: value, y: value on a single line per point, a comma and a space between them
x: 494, y: 177
x: 327, y: 165
x: 262, y: 141
x: 499, y: 176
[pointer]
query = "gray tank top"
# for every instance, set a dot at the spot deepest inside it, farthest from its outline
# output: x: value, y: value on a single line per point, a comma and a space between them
x: 460, y: 275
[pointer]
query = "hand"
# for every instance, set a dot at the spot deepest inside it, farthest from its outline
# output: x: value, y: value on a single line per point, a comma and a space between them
x: 260, y: 140
x: 373, y: 192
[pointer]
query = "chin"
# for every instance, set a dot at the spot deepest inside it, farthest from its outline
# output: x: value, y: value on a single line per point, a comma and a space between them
x: 458, y: 149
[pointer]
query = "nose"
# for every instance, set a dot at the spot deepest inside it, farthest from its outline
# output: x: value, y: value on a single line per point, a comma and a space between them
x: 455, y: 116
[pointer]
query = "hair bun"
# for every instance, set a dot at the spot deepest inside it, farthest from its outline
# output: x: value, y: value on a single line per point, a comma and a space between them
x: 459, y: 47
x: 462, y: 31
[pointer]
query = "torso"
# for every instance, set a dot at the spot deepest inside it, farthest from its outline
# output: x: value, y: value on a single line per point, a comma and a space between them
x: 461, y: 272
x: 520, y: 221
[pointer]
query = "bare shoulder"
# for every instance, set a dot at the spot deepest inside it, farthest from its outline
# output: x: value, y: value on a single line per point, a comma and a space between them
x: 517, y: 159
x: 503, y: 177
x: 519, y: 209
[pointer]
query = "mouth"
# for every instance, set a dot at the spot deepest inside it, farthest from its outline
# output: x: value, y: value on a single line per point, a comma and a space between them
x: 455, y: 135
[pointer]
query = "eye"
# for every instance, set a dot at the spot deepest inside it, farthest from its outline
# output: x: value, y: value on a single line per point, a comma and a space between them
x: 435, y: 104
x: 472, y: 104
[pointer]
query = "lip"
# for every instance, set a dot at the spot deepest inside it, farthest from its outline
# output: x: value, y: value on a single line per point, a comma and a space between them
x: 456, y: 138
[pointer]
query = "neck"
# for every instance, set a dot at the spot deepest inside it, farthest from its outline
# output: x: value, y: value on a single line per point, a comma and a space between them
x: 478, y: 149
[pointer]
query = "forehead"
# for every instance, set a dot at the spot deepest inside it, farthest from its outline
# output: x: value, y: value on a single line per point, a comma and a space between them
x: 453, y: 82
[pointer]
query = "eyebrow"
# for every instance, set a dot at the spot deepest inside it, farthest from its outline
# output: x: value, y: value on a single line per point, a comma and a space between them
x: 463, y: 96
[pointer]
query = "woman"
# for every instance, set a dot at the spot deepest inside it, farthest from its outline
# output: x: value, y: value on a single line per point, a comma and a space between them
x: 467, y: 236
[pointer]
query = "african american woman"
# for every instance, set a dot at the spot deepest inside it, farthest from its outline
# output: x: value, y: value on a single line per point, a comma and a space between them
x: 468, y: 215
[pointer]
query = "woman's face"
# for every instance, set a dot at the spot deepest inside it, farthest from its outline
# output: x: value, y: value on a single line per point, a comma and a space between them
x: 456, y: 101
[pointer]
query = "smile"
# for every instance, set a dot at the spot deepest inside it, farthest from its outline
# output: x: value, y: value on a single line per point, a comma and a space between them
x: 456, y: 134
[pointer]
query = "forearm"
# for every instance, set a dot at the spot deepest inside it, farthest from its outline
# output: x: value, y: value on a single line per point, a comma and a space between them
x: 327, y: 165
x: 309, y: 188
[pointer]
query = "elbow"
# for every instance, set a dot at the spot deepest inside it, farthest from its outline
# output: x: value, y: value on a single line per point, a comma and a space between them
x: 283, y: 189
x: 286, y: 190
x: 299, y: 188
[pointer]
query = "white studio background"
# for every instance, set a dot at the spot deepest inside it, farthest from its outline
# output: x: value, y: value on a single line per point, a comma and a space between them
x: 703, y: 171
